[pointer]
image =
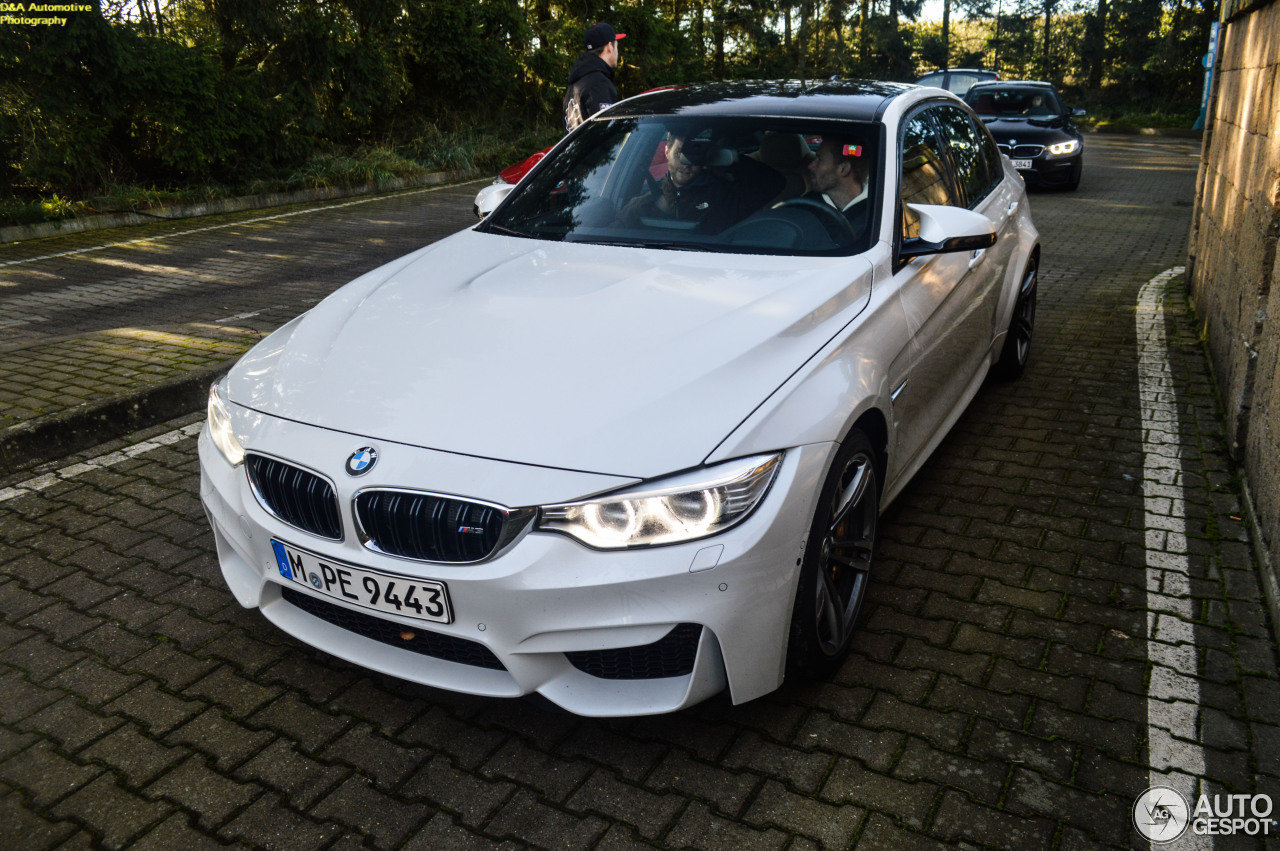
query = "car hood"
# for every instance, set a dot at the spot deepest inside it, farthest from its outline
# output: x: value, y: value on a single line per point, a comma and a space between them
x: 603, y: 359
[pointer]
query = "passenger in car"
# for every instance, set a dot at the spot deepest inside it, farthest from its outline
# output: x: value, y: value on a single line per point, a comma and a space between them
x: 838, y: 175
x: 705, y: 183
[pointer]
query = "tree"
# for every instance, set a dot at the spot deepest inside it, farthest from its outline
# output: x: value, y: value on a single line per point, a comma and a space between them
x: 176, y: 91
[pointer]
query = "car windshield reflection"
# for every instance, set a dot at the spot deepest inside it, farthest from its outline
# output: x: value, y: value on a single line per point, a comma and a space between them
x: 731, y: 185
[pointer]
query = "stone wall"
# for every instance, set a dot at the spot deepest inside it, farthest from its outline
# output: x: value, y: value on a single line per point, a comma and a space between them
x: 1233, y: 260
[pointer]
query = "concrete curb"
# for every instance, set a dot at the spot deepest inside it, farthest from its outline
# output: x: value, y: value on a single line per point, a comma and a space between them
x: 1266, y: 570
x: 57, y: 435
x: 20, y: 233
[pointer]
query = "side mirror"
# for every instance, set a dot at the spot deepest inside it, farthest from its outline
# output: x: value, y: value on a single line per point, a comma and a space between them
x: 1078, y: 112
x: 488, y: 198
x: 944, y: 230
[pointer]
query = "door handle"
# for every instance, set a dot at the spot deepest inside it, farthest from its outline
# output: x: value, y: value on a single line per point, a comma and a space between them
x: 975, y: 256
x: 1013, y: 208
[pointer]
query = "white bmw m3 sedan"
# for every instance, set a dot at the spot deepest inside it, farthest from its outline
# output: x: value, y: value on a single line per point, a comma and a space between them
x: 625, y: 442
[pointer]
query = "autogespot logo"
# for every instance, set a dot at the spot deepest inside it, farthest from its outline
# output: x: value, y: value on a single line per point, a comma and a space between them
x: 1161, y: 814
x: 362, y: 461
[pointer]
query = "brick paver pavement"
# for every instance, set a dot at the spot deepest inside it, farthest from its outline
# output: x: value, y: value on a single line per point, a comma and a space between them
x: 87, y: 317
x: 1002, y: 692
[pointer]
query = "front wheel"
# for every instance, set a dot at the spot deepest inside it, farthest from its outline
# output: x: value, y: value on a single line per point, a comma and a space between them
x: 836, y: 568
x: 1022, y: 326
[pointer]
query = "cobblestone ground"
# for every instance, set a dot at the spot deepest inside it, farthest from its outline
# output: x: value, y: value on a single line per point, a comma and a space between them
x: 999, y: 695
x: 91, y: 316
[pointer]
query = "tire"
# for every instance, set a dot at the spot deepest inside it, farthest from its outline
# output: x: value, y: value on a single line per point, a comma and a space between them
x: 1022, y: 326
x: 836, y: 567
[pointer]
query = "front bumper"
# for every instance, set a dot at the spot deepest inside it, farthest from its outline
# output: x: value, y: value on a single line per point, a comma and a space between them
x: 1051, y: 171
x: 544, y: 597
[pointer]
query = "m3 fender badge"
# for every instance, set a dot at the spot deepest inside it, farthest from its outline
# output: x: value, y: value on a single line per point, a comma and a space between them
x: 362, y: 461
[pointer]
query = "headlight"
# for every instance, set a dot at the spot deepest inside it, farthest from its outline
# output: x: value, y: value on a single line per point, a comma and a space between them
x: 220, y: 428
x: 1068, y: 147
x: 684, y: 508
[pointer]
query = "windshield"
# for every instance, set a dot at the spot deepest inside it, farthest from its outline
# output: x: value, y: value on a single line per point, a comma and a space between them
x: 732, y: 185
x: 1014, y: 102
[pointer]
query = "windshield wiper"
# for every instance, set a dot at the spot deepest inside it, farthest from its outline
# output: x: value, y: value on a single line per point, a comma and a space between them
x: 647, y: 243
x: 674, y: 246
x: 490, y: 227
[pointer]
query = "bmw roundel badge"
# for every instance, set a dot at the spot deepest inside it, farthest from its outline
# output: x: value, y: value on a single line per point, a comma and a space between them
x: 362, y: 461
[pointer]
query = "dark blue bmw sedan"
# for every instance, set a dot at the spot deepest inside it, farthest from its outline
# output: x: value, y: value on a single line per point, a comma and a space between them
x: 1032, y: 126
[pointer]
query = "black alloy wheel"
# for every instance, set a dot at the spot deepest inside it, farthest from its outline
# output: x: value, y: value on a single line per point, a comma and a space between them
x: 1022, y: 326
x: 836, y: 568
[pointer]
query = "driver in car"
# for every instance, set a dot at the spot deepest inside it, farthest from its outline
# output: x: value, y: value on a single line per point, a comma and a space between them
x: 838, y: 175
x: 704, y: 183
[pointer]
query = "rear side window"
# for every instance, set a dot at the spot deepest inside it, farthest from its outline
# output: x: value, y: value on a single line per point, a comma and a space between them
x: 969, y: 155
x: 961, y: 82
x: 924, y: 172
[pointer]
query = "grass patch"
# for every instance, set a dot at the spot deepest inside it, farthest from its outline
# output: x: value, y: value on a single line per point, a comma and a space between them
x: 1138, y: 115
x: 366, y: 167
x: 116, y: 199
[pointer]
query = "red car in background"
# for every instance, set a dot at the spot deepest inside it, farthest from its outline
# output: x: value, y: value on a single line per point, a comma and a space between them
x: 509, y: 176
x: 513, y: 173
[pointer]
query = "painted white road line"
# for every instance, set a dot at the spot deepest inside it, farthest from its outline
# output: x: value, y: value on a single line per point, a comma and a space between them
x: 39, y: 483
x: 1173, y: 697
x: 248, y: 315
x: 159, y: 237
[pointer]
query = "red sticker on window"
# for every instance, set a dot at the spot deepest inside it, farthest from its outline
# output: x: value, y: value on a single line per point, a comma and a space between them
x: 853, y: 150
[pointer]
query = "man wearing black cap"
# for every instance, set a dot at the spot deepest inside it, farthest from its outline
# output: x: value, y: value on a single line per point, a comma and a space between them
x: 591, y: 86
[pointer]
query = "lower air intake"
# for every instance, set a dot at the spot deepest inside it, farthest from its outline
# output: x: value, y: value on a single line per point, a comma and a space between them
x: 433, y: 644
x: 670, y: 656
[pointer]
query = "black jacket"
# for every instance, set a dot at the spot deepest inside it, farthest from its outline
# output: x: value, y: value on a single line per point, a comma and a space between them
x: 716, y: 200
x: 590, y: 90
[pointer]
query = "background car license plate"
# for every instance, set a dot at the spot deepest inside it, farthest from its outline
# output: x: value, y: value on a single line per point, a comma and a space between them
x: 1022, y: 163
x: 397, y: 595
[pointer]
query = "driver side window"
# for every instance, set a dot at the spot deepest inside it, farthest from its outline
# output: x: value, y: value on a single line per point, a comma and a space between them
x: 969, y: 154
x: 924, y: 178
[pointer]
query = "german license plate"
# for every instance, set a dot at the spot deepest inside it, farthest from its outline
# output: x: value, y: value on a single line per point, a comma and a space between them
x: 425, y: 599
x: 1022, y: 163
